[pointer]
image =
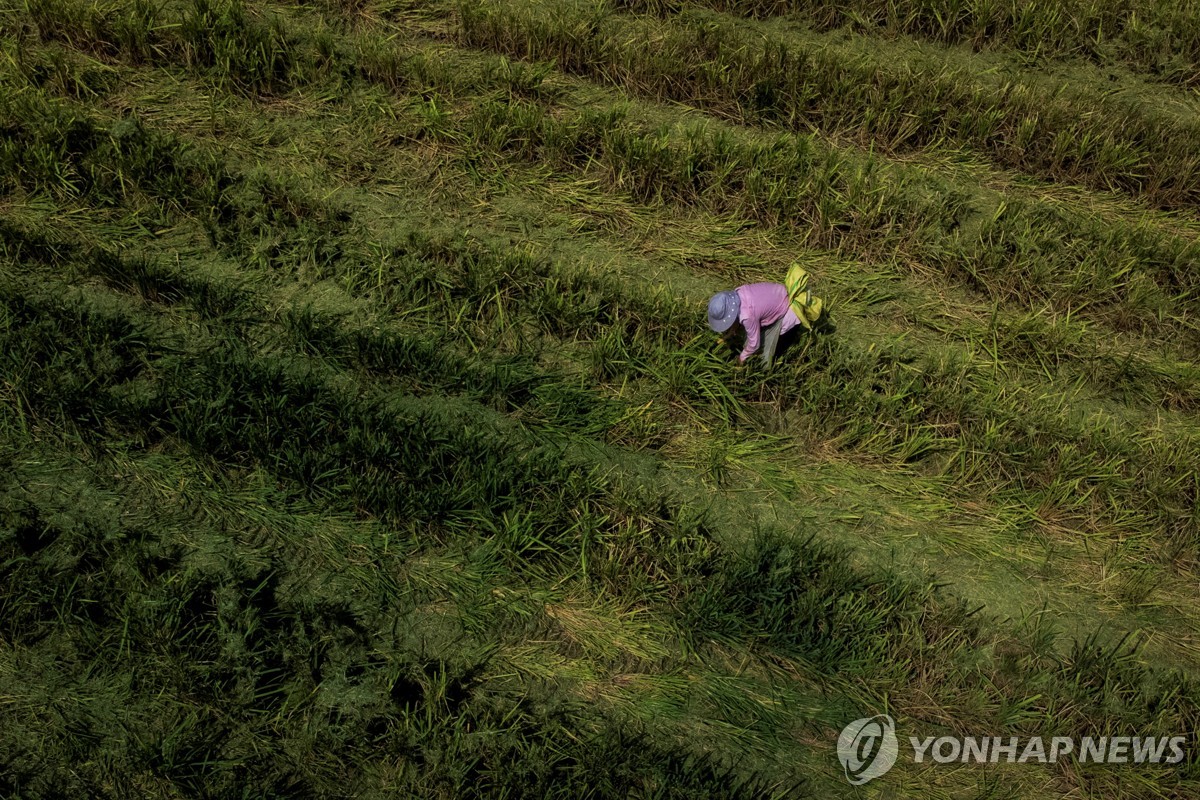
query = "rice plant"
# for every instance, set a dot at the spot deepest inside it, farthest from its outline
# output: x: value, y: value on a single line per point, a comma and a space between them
x: 374, y: 471
x: 1156, y: 38
x: 753, y: 75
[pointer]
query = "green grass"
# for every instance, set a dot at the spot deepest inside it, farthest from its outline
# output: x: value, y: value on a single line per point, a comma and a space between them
x: 1156, y: 38
x: 362, y: 435
x: 760, y: 73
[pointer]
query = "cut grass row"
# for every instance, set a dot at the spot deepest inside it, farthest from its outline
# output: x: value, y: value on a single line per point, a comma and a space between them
x: 754, y: 73
x: 1020, y: 251
x: 543, y: 531
x: 1157, y: 37
x: 673, y: 371
x: 375, y: 454
x: 966, y: 420
x: 440, y: 285
x: 271, y: 629
x: 241, y: 47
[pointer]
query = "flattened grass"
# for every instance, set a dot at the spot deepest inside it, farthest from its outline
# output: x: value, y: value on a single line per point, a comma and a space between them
x: 315, y: 578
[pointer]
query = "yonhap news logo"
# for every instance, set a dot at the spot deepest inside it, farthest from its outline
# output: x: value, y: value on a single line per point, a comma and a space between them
x: 868, y: 748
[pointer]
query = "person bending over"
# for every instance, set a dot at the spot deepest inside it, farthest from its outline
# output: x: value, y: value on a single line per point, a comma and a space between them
x: 766, y: 311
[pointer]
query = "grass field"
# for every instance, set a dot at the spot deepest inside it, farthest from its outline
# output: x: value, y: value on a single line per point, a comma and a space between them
x: 363, y: 437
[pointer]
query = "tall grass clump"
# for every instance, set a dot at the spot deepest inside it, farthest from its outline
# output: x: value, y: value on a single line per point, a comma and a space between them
x: 49, y: 147
x: 151, y: 278
x: 134, y: 32
x: 110, y: 349
x: 239, y: 47
x: 240, y: 51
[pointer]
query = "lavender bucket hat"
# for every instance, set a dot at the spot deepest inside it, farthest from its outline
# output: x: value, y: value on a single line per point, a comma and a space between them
x: 723, y: 310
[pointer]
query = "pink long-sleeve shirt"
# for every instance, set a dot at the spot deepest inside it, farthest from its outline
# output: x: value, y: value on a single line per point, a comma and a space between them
x: 761, y: 305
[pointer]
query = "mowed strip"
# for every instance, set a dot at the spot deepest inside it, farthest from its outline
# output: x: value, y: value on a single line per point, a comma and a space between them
x: 897, y: 98
x: 225, y: 402
x: 299, y: 247
x: 874, y: 439
x: 1156, y: 38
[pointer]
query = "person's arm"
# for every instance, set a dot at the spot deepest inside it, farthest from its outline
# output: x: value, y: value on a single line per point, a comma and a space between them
x: 750, y: 323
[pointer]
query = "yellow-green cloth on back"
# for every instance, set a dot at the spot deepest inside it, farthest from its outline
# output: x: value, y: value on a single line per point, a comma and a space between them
x: 806, y: 307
